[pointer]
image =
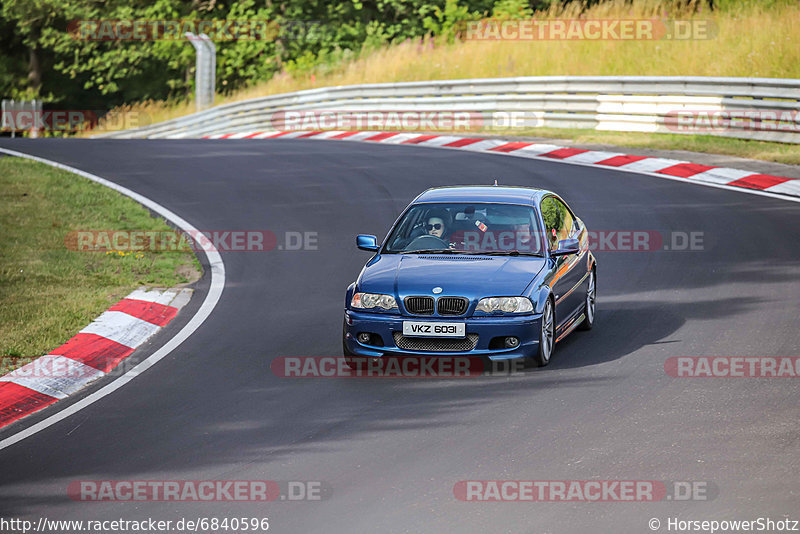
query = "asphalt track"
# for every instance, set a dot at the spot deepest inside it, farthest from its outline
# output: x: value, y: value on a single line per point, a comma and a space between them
x: 392, y: 450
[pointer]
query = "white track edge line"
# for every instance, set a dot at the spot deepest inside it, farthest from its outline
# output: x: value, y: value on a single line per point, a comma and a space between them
x: 214, y: 293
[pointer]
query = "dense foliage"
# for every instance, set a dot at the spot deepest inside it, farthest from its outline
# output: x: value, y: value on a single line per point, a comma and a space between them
x: 40, y: 58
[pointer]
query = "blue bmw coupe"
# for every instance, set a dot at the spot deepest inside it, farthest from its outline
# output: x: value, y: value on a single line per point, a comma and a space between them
x: 485, y: 271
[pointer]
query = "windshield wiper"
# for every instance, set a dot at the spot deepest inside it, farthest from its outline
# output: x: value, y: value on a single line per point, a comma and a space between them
x: 431, y: 251
x: 511, y: 253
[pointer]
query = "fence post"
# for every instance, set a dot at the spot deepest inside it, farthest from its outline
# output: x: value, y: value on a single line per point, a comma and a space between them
x: 211, y: 79
x: 36, y: 112
x: 205, y: 67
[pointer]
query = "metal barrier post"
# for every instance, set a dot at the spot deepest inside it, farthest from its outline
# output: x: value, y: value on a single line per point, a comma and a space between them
x: 205, y: 69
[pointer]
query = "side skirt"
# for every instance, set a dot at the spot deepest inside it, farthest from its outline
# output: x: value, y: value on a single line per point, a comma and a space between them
x: 570, y: 326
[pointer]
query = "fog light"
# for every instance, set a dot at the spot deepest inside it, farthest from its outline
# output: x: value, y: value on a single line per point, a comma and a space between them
x: 363, y: 337
x: 511, y: 342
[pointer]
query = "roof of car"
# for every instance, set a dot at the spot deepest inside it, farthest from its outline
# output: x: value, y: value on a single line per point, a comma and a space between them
x: 482, y: 193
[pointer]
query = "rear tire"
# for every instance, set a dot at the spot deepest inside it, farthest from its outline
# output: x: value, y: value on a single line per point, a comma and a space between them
x: 590, y: 306
x: 547, y: 336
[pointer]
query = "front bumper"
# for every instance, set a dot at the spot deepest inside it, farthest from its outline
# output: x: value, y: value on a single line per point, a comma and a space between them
x: 524, y: 327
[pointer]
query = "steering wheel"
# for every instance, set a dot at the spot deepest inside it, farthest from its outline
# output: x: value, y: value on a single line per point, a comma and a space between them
x: 426, y: 242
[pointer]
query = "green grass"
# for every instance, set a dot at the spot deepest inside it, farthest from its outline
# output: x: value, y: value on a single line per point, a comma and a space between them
x: 49, y: 292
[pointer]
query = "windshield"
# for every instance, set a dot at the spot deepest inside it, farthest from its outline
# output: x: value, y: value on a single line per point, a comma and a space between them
x: 467, y: 228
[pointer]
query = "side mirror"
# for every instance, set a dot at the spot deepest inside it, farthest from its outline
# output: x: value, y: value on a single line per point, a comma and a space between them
x: 367, y: 242
x: 566, y: 247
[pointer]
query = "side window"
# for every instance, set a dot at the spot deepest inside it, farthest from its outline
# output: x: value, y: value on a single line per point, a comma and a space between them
x: 568, y: 221
x: 553, y: 221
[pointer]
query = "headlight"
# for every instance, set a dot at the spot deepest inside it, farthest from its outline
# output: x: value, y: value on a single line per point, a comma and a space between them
x: 373, y: 300
x: 505, y: 305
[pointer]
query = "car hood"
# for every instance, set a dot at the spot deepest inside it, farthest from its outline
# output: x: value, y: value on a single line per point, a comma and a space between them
x: 458, y: 275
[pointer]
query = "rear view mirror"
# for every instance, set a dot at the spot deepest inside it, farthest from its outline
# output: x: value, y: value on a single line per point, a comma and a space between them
x: 367, y: 242
x: 567, y: 246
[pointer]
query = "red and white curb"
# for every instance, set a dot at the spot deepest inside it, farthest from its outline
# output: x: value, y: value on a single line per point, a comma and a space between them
x: 663, y: 167
x: 91, y: 354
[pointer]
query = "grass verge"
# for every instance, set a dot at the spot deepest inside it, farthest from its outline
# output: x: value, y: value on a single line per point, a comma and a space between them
x: 49, y: 292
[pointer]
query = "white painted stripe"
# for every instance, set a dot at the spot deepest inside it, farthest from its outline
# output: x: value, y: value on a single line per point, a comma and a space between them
x: 177, y: 298
x: 37, y: 387
x: 399, y: 138
x: 729, y: 174
x: 263, y: 135
x: 240, y: 135
x: 359, y: 136
x: 439, y: 140
x: 650, y: 164
x: 383, y: 140
x: 154, y: 295
x: 54, y: 375
x: 291, y: 135
x: 122, y: 328
x: 533, y: 150
x: 182, y: 298
x: 792, y: 187
x: 483, y: 145
x: 593, y: 156
x: 214, y: 136
x: 722, y: 175
x: 327, y: 134
x: 217, y: 285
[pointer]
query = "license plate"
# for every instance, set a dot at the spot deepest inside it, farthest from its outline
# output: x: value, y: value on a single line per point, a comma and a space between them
x: 423, y: 329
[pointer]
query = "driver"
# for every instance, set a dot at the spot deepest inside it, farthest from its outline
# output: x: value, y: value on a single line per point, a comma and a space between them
x: 437, y: 224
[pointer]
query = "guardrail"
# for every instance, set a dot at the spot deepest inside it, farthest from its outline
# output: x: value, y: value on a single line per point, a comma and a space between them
x: 759, y: 108
x: 20, y: 115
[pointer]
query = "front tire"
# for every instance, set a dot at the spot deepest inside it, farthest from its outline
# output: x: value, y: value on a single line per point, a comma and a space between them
x: 590, y: 304
x: 547, y: 336
x: 353, y: 361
